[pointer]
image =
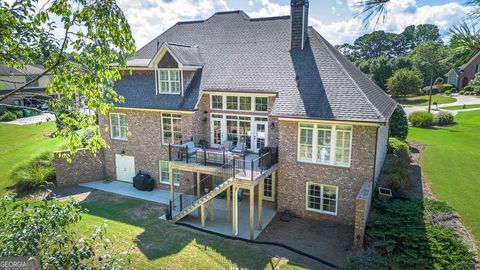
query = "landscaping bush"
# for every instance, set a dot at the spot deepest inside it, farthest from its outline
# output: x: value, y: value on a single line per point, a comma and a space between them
x: 443, y: 118
x: 468, y: 88
x: 399, y: 124
x: 447, y: 87
x: 8, y: 116
x: 404, y: 236
x: 448, y: 92
x: 462, y: 92
x: 476, y: 91
x: 37, y: 173
x: 421, y: 119
x: 399, y: 148
x: 396, y: 173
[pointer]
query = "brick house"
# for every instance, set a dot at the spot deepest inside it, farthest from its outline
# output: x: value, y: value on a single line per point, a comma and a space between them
x: 461, y: 76
x: 279, y: 113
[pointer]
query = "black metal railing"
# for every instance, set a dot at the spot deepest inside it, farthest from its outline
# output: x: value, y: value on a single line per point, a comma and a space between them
x: 199, y: 189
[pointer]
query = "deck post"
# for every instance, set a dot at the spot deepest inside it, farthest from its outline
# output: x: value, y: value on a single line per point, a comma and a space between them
x: 260, y: 203
x: 229, y: 205
x: 235, y: 211
x: 198, y: 192
x: 203, y: 216
x: 170, y: 176
x: 211, y: 208
x: 252, y: 212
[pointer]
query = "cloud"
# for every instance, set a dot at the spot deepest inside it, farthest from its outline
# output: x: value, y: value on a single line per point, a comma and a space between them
x: 149, y: 18
x: 400, y: 14
x: 269, y: 9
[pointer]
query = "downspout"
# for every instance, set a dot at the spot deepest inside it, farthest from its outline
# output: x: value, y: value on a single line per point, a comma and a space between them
x: 375, y: 158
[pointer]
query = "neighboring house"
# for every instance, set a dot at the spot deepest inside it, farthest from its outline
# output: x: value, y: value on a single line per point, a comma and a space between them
x: 11, y: 78
x: 252, y: 83
x: 461, y: 76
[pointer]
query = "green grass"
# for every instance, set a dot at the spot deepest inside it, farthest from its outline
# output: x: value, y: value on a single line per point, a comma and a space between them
x: 451, y: 165
x: 19, y: 144
x: 158, y: 244
x: 460, y: 107
x: 423, y: 100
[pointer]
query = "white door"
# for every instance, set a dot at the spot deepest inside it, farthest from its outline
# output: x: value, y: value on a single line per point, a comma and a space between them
x: 125, y: 167
x: 260, y: 137
x: 269, y: 188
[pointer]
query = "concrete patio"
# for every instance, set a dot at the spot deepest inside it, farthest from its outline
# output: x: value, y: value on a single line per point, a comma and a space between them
x: 218, y: 225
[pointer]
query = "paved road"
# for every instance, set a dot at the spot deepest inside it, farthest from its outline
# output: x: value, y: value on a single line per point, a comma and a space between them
x: 461, y: 100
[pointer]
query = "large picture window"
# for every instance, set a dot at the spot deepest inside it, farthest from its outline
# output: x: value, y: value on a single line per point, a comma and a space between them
x: 169, y: 81
x: 171, y: 128
x: 325, y: 144
x: 165, y: 174
x: 118, y: 126
x: 322, y: 198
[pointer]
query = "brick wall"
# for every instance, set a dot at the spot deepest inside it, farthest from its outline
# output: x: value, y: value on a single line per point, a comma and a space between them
x: 469, y: 72
x: 83, y: 168
x: 362, y: 208
x: 293, y: 176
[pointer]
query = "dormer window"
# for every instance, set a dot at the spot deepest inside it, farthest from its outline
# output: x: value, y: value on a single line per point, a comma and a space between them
x: 169, y: 81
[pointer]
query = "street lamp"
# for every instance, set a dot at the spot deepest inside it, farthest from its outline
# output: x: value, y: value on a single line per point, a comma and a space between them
x: 437, y: 81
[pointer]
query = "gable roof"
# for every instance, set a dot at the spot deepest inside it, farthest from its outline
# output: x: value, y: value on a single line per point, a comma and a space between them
x: 457, y: 70
x: 241, y: 54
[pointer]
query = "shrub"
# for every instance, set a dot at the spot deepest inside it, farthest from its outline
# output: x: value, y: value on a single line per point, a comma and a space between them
x: 8, y: 116
x: 476, y: 91
x: 399, y: 124
x: 36, y: 173
x: 454, y: 90
x: 462, y: 92
x: 404, y: 82
x: 468, y: 88
x: 421, y: 119
x: 17, y: 111
x: 448, y: 92
x: 443, y: 118
x: 396, y: 173
x: 447, y: 87
x: 399, y: 148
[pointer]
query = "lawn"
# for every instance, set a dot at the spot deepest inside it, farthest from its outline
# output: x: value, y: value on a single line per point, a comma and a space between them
x: 158, y: 244
x: 18, y: 144
x: 460, y: 107
x: 423, y: 100
x: 451, y: 165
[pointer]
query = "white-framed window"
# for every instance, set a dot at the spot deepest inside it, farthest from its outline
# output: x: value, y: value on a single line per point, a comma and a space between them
x: 169, y: 81
x: 322, y: 198
x: 217, y: 102
x: 478, y: 68
x: 118, y: 126
x: 171, y: 128
x: 165, y: 174
x: 241, y: 103
x: 325, y: 144
x: 261, y: 104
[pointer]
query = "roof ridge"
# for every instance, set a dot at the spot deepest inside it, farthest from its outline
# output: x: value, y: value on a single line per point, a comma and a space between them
x: 270, y: 18
x: 359, y: 90
x: 181, y: 45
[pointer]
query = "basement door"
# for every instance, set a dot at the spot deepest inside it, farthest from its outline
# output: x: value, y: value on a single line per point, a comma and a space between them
x: 125, y: 167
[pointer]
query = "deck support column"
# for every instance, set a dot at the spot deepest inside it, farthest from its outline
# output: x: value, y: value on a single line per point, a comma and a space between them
x: 170, y: 178
x: 211, y: 208
x: 198, y: 192
x: 260, y: 203
x: 202, y: 215
x: 252, y: 212
x: 229, y: 206
x: 235, y: 211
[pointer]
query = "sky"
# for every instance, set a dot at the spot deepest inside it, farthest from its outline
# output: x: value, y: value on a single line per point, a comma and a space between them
x: 334, y: 19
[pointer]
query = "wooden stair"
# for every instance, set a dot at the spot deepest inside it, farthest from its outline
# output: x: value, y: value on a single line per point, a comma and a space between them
x: 204, y: 199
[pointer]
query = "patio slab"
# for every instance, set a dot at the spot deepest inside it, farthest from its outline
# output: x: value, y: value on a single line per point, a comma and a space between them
x: 127, y: 189
x: 220, y: 224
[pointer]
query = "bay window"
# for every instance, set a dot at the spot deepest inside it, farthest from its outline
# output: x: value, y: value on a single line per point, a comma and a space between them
x: 171, y: 128
x: 325, y: 144
x: 168, y: 81
x: 322, y: 198
x: 118, y: 126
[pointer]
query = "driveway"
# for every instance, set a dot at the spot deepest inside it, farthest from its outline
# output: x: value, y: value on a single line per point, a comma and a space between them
x: 461, y: 100
x: 328, y: 241
x: 43, y: 117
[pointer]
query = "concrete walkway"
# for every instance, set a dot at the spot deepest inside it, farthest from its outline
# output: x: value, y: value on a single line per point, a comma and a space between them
x: 461, y: 100
x: 43, y: 117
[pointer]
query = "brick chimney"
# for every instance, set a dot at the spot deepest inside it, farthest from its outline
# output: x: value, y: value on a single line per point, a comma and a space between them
x: 298, y: 24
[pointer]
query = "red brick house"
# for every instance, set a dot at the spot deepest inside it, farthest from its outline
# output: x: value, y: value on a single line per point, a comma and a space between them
x: 461, y: 76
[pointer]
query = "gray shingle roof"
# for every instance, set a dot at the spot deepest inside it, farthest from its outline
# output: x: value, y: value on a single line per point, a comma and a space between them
x: 253, y: 55
x: 186, y: 55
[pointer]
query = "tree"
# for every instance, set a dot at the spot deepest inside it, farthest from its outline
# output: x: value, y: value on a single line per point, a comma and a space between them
x: 413, y: 35
x: 398, y: 126
x: 45, y: 230
x: 404, y: 82
x: 427, y: 57
x: 464, y: 43
x: 95, y: 35
x: 381, y: 68
x: 376, y: 44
